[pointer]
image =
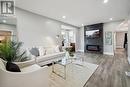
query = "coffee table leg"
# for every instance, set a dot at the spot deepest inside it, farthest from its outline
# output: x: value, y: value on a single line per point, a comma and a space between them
x: 53, y: 66
x: 53, y: 71
x: 64, y: 72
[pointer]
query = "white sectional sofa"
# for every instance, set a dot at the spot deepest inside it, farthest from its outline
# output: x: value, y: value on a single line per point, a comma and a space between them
x: 31, y: 76
x: 49, y: 58
x: 42, y: 60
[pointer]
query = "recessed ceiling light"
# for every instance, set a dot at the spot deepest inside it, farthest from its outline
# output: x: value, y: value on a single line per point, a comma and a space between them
x: 111, y: 19
x: 105, y: 1
x: 48, y: 22
x: 82, y: 24
x: 64, y: 17
x: 4, y: 21
x: 63, y: 33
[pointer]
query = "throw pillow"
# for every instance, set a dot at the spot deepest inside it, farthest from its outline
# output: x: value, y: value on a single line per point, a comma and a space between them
x: 34, y: 51
x: 57, y: 48
x: 42, y: 51
x: 12, y: 67
x: 29, y: 55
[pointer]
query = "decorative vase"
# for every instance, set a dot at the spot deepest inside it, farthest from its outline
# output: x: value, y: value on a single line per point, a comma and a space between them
x: 67, y: 55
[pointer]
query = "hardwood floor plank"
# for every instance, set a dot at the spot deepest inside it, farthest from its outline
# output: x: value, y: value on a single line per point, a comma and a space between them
x: 111, y: 70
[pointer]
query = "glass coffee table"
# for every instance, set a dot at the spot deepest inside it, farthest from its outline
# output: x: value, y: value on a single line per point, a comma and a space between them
x: 63, y: 63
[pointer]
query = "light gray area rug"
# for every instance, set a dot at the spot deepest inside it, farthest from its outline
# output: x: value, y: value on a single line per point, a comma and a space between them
x: 77, y: 74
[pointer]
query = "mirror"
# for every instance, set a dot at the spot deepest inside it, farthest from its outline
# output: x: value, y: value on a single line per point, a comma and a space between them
x: 8, y: 28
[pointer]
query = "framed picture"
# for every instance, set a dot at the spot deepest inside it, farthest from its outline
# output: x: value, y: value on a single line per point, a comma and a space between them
x: 108, y: 38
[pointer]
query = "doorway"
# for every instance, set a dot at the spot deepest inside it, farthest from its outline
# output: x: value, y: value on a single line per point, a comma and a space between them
x: 5, y: 36
x: 121, y: 42
x: 68, y: 37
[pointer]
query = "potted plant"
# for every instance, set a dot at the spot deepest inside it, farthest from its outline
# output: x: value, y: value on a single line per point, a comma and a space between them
x: 71, y: 54
x: 10, y: 52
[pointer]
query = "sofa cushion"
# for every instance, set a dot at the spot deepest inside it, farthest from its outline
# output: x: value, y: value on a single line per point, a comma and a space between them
x: 12, y: 67
x: 50, y: 51
x: 30, y: 68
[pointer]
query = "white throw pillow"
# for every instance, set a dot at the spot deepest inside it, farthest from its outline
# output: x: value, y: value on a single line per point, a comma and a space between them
x: 42, y: 51
x: 57, y: 49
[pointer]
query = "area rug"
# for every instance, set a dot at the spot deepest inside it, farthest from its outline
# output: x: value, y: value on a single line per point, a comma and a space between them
x: 77, y: 74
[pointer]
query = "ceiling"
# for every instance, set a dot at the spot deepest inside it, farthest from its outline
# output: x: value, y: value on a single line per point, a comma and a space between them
x: 78, y: 12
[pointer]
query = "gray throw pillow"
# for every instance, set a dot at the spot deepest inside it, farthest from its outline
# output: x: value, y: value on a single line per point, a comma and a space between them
x: 34, y: 51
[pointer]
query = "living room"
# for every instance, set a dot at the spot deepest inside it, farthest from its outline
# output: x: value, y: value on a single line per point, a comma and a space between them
x: 62, y: 43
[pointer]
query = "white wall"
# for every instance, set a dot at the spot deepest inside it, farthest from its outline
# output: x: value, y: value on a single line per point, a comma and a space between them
x: 112, y: 27
x: 77, y: 38
x: 129, y: 39
x: 36, y: 30
x: 81, y: 39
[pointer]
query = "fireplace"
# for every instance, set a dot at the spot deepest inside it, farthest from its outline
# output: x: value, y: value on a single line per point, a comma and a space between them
x: 94, y: 43
x: 92, y: 48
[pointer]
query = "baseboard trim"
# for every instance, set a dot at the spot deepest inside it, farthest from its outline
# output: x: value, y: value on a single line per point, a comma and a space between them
x: 107, y: 53
x: 129, y: 60
x: 80, y: 50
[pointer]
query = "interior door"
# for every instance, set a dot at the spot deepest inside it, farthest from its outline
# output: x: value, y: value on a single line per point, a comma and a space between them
x: 120, y: 36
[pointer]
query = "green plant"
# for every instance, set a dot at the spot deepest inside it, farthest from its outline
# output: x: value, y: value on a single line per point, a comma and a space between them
x: 70, y: 52
x: 10, y: 51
